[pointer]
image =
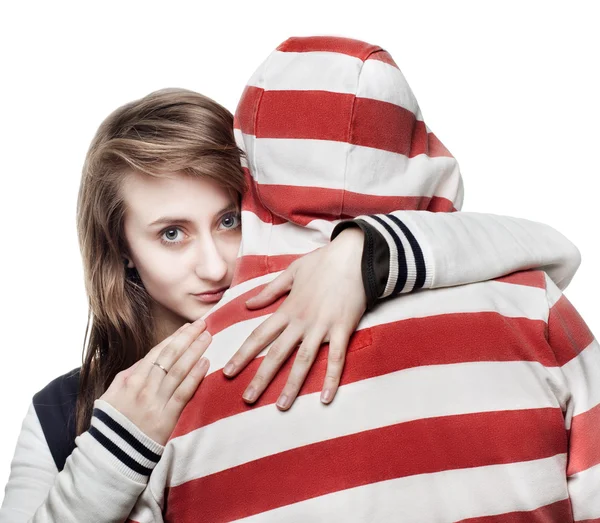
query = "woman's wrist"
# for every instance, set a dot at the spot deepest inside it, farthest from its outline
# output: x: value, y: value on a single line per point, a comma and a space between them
x: 124, y: 446
x: 370, y: 278
x: 352, y: 238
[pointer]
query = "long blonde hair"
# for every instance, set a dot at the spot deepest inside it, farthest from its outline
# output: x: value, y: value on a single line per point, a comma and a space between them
x: 168, y: 131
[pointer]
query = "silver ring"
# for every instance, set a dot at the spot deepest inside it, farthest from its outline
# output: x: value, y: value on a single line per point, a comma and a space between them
x: 159, y: 365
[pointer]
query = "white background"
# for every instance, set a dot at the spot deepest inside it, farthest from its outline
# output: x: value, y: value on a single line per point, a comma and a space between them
x: 511, y: 89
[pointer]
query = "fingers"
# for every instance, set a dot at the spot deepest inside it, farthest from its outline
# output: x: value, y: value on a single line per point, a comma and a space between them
x: 137, y: 375
x: 153, y: 353
x: 338, y: 346
x: 170, y: 354
x: 186, y: 389
x: 304, y: 359
x: 183, y: 366
x: 274, y: 359
x: 272, y: 291
x: 260, y: 337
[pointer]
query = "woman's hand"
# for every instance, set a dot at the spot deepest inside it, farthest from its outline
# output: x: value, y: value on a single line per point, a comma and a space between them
x: 153, y: 399
x: 326, y: 302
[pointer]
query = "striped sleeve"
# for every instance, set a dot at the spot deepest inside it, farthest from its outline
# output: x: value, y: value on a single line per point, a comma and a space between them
x: 101, y: 480
x: 578, y: 355
x: 405, y: 251
x: 129, y: 450
x: 392, y: 259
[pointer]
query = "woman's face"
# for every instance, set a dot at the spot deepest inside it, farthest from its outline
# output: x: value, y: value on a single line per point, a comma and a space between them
x: 184, y: 234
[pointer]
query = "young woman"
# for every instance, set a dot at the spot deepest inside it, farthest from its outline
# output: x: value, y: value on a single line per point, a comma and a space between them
x: 158, y: 221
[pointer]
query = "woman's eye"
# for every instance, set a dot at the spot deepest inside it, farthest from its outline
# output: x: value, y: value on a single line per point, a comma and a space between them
x: 231, y: 220
x: 169, y: 236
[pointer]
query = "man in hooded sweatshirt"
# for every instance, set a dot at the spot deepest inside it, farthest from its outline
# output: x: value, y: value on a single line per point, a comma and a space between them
x: 473, y: 403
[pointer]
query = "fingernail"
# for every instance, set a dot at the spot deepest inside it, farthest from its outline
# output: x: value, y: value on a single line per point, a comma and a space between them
x: 204, y: 336
x: 250, y: 394
x: 202, y: 364
x: 229, y: 369
x: 326, y: 396
x: 283, y: 402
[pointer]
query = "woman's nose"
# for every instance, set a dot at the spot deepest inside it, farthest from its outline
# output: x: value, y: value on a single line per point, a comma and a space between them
x: 211, y: 264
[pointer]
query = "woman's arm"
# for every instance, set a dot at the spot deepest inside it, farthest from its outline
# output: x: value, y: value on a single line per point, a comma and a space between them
x: 401, y: 252
x: 101, y: 480
x: 409, y: 250
x: 32, y: 472
x: 111, y: 462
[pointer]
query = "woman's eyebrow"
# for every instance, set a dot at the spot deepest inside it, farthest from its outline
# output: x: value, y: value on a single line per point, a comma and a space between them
x: 175, y: 219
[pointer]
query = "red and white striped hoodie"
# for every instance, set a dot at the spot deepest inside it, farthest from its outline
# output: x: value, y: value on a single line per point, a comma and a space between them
x: 474, y: 403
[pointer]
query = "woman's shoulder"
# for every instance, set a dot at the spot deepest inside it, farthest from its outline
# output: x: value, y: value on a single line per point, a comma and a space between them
x: 55, y: 409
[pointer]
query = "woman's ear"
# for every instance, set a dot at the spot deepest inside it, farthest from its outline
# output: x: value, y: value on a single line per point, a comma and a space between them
x: 128, y: 263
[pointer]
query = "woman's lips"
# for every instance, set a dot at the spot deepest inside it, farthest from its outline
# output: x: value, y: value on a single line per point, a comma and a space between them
x: 210, y: 297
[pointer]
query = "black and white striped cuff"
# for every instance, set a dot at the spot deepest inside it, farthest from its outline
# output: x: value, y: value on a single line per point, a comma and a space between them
x: 128, y: 448
x: 393, y: 261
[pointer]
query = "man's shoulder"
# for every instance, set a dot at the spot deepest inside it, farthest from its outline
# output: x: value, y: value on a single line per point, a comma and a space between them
x: 55, y: 408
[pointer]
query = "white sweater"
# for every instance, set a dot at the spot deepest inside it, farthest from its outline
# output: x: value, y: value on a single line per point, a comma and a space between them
x: 95, y: 485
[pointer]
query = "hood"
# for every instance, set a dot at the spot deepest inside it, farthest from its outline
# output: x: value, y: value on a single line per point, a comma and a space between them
x: 331, y: 131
